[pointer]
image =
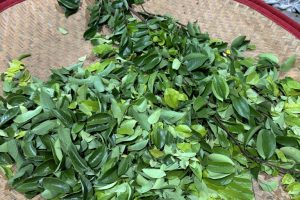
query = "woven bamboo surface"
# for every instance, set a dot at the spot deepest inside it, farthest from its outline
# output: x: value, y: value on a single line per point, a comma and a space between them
x: 31, y: 27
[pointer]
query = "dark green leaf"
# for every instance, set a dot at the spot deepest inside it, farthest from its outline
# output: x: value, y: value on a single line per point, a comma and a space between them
x: 53, y: 187
x: 266, y: 144
x: 241, y: 106
x: 194, y: 61
x: 8, y: 115
x: 220, y: 87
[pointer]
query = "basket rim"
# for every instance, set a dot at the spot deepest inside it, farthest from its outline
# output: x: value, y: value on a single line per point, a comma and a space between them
x: 260, y: 6
x: 5, y: 4
x: 274, y: 14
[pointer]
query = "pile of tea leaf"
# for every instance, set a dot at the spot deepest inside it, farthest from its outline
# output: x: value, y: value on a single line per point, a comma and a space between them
x: 165, y: 113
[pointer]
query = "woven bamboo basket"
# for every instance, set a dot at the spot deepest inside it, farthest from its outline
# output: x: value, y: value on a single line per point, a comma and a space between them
x: 32, y: 27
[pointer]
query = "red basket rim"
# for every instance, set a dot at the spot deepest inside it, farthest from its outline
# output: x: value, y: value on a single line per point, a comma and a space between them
x: 4, y: 4
x: 275, y: 15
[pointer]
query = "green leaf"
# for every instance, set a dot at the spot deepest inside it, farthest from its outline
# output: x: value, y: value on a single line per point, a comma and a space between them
x: 116, y: 110
x: 28, y: 185
x: 25, y: 117
x: 46, y: 100
x: 199, y: 103
x: 97, y: 157
x: 291, y: 153
x: 70, y: 4
x: 220, y: 158
x: 172, y: 97
x: 287, y: 179
x: 46, y: 168
x: 9, y: 115
x: 294, y: 188
x: 241, y: 106
x: 11, y: 147
x: 141, y: 118
x: 127, y: 127
x: 88, y: 107
x: 240, y: 187
x: 90, y: 33
x: 266, y: 144
x: 63, y: 31
x: 78, y: 162
x: 82, y: 59
x: 154, y: 117
x: 138, y: 146
x: 196, y: 169
x: 219, y: 166
x: 87, y: 188
x: 194, y: 61
x: 270, y: 57
x: 103, y: 49
x: 29, y: 150
x: 291, y: 87
x: 45, y: 127
x: 220, y: 87
x: 288, y: 64
x: 250, y: 133
x: 98, y: 84
x: 183, y: 131
x: 151, y: 81
x: 57, y: 150
x: 191, y: 29
x: 154, y: 173
x: 124, y: 165
x: 200, y: 130
x: 252, y: 78
x: 151, y: 62
x: 53, y: 187
x: 171, y: 117
x: 176, y: 64
x: 64, y: 116
x: 142, y: 43
x: 238, y: 42
x: 269, y: 186
x: 158, y: 136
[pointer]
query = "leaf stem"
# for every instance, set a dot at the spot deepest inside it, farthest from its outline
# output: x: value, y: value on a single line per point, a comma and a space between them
x: 247, y: 154
x: 137, y: 14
